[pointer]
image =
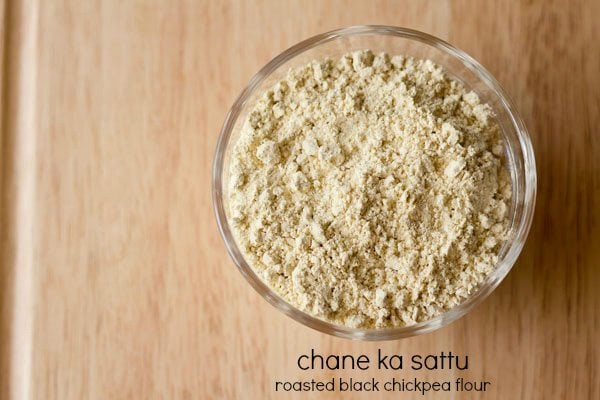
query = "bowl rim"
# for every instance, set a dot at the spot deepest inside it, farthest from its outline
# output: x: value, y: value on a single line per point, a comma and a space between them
x: 485, y: 288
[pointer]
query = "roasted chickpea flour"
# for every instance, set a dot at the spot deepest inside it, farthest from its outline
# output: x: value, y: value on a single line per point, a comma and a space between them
x: 371, y: 190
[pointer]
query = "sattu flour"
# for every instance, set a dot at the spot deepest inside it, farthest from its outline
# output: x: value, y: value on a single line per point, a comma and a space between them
x: 370, y: 191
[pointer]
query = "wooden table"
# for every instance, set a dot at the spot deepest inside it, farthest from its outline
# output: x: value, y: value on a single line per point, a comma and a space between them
x: 115, y: 282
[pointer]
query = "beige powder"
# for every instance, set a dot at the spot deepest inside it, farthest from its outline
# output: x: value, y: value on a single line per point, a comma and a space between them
x: 370, y: 191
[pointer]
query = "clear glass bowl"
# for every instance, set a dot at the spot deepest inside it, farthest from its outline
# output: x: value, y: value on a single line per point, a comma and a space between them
x: 394, y: 41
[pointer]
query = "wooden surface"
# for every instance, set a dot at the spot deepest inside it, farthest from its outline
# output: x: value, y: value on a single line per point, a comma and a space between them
x: 115, y: 281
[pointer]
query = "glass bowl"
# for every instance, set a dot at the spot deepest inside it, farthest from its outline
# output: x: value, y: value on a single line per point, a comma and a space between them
x: 458, y: 65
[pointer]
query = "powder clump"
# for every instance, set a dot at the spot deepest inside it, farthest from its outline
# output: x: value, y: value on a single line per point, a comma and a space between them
x: 370, y: 191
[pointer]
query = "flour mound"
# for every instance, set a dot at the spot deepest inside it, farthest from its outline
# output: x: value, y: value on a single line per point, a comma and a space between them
x: 370, y: 191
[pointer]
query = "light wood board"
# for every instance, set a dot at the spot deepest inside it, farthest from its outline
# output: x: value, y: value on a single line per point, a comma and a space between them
x: 115, y: 283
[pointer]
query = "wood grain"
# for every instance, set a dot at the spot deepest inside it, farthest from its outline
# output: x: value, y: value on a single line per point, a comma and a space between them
x: 115, y: 282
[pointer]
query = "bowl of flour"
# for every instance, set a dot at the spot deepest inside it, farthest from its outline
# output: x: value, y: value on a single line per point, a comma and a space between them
x: 374, y: 183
